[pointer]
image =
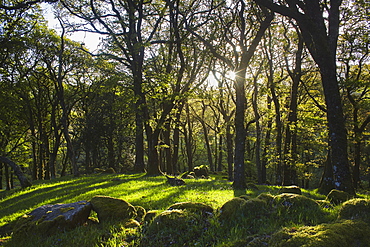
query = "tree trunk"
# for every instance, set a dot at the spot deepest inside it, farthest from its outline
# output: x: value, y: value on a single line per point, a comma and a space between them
x: 290, y: 144
x: 139, y: 132
x: 327, y: 178
x: 17, y: 171
x: 167, y: 149
x: 65, y: 113
x: 321, y: 40
x: 188, y: 135
x: 7, y: 179
x: 239, y: 166
x: 176, y: 140
x: 57, y: 135
x: 230, y: 156
x: 267, y: 142
x: 1, y: 175
x: 208, y: 146
x: 220, y: 153
x: 258, y: 129
x: 337, y: 132
x: 279, y: 127
x: 153, y: 158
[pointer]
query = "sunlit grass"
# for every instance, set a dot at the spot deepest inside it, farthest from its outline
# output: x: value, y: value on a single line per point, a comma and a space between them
x: 152, y: 193
x: 148, y: 192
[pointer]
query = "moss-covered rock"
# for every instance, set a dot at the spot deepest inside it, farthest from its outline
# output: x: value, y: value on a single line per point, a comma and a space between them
x: 339, y: 234
x: 231, y: 208
x: 248, y: 214
x: 356, y: 209
x: 49, y: 219
x: 252, y: 186
x: 297, y: 209
x: 337, y: 196
x: 201, y: 171
x: 325, y: 204
x: 252, y: 241
x: 293, y: 189
x: 109, y: 170
x: 193, y: 206
x: 140, y: 213
x: 131, y: 223
x: 174, y: 228
x: 112, y: 209
x: 150, y: 215
x: 268, y: 198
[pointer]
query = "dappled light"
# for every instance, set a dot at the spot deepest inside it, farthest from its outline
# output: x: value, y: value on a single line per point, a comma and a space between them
x: 253, y: 114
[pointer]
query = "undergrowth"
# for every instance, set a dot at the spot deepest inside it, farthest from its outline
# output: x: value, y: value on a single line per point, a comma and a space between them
x: 152, y: 193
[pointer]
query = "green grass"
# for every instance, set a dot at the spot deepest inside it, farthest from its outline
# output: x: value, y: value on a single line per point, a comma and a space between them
x: 148, y: 192
x: 152, y: 193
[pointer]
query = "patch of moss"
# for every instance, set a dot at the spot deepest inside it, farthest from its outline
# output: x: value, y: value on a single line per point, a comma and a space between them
x: 356, y: 209
x: 174, y: 228
x: 131, y: 223
x: 63, y: 210
x: 268, y: 198
x: 150, y: 215
x: 293, y: 189
x: 250, y: 215
x: 245, y: 197
x: 324, y: 204
x: 231, y: 208
x: 192, y: 206
x: 297, y: 209
x: 339, y: 234
x: 26, y: 226
x: 201, y: 171
x: 337, y: 196
x: 112, y: 209
x: 140, y: 211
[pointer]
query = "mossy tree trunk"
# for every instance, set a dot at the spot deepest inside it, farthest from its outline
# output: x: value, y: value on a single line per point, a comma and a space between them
x: 319, y: 26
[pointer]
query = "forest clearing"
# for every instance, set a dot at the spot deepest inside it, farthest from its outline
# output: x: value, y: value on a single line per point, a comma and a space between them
x: 186, y: 123
x: 268, y: 219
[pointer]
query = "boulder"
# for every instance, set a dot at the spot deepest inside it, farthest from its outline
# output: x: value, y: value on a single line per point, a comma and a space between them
x: 297, y: 208
x: 345, y: 233
x: 293, y: 189
x: 240, y: 210
x: 131, y: 223
x: 140, y: 213
x: 337, y: 196
x: 193, y: 206
x: 230, y: 209
x: 175, y: 181
x: 175, y: 227
x: 112, y: 209
x: 201, y: 171
x: 243, y: 213
x: 356, y: 209
x: 267, y: 197
x: 49, y: 219
x: 150, y: 215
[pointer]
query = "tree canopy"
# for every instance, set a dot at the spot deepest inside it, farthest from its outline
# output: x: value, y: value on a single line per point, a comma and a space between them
x: 272, y: 92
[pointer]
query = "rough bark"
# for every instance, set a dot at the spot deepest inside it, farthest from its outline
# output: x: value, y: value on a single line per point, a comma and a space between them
x: 290, y: 144
x: 322, y: 44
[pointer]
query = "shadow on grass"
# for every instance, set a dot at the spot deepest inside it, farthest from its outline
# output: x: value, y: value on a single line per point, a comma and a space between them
x: 137, y: 189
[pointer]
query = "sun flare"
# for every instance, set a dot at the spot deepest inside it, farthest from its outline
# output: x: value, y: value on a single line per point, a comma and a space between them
x: 231, y: 75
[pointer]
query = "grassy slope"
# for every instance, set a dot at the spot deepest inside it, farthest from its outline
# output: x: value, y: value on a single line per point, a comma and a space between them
x: 148, y: 192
